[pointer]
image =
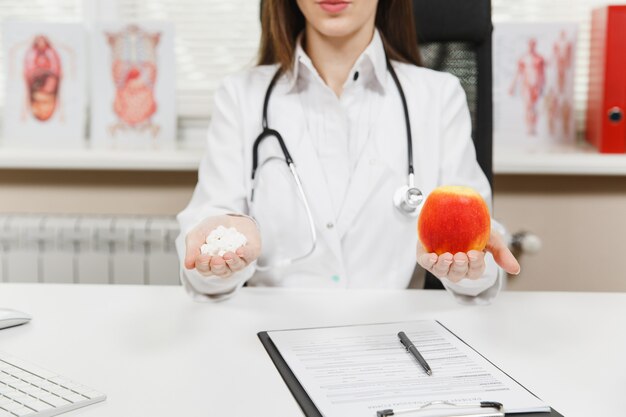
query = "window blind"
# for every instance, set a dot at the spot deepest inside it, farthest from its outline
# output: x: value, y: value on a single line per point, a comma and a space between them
x: 218, y: 37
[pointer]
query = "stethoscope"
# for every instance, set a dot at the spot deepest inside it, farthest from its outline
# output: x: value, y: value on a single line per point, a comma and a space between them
x: 406, y: 199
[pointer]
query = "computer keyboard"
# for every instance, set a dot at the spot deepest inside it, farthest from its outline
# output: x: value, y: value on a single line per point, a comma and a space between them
x: 27, y: 390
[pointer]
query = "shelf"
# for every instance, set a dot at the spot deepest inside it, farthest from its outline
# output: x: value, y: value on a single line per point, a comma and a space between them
x: 574, y: 159
x: 92, y: 159
x: 554, y: 160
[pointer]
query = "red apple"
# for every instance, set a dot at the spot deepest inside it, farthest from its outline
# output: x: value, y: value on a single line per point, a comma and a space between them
x: 454, y: 219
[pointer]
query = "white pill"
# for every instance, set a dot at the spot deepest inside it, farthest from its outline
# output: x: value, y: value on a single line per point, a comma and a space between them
x: 222, y: 240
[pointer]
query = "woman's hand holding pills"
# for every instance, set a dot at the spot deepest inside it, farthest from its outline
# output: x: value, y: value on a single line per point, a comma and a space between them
x: 210, y: 249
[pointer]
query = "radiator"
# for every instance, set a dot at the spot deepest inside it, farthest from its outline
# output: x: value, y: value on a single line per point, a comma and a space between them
x: 88, y: 249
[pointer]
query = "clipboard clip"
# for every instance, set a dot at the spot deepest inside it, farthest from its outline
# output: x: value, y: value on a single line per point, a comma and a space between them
x: 497, y: 409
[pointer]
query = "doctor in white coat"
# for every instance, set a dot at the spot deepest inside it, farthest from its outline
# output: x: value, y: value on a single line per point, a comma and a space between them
x: 341, y: 116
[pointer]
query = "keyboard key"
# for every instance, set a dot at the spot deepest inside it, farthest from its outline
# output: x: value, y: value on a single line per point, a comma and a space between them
x: 75, y: 398
x: 37, y: 405
x: 92, y: 394
x: 22, y: 365
x: 20, y: 385
x: 8, y: 380
x: 34, y: 391
x: 20, y: 374
x: 12, y: 406
x: 56, y: 388
x: 54, y: 400
x: 29, y: 391
x: 74, y: 386
x: 64, y: 382
x: 66, y: 393
x: 7, y: 391
x: 20, y: 398
x: 47, y: 385
x: 22, y: 411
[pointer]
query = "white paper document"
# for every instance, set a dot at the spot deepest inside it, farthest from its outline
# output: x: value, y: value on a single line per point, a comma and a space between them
x: 354, y: 371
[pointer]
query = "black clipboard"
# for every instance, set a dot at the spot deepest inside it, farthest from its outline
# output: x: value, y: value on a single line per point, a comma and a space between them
x: 306, y: 403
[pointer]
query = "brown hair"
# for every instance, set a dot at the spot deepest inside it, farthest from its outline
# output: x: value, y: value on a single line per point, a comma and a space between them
x: 282, y: 21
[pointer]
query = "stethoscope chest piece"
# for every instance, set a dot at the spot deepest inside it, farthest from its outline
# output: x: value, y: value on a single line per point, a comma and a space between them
x: 407, y: 199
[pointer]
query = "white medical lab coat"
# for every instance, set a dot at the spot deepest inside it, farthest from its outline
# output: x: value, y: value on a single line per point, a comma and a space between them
x: 351, y: 154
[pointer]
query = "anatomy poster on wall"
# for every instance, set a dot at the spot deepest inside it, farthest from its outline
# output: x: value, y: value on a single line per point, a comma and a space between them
x: 134, y: 92
x: 45, y: 90
x: 534, y: 83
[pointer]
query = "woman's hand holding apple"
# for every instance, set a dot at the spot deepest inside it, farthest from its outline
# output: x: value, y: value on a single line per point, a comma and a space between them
x: 455, y: 231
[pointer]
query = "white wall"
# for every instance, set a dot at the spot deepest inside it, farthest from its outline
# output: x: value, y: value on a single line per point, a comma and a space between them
x: 581, y: 220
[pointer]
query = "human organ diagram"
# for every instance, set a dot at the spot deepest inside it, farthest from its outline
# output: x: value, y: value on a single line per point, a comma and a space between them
x: 39, y: 63
x: 45, y: 88
x: 134, y: 73
x: 42, y: 74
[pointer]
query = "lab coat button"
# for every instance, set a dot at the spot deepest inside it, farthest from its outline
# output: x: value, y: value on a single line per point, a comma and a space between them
x: 329, y: 225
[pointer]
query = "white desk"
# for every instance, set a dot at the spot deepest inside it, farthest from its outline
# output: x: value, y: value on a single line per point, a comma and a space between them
x: 156, y: 353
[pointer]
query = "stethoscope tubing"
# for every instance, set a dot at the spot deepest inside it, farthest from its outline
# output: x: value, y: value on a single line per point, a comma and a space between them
x: 404, y: 204
x: 267, y: 131
x: 309, y: 214
x: 407, y: 122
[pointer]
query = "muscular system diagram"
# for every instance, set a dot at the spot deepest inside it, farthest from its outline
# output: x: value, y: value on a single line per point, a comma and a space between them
x: 545, y: 82
x: 531, y: 67
x: 558, y: 99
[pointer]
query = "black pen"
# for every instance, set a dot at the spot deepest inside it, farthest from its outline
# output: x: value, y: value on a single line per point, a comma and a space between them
x: 410, y: 347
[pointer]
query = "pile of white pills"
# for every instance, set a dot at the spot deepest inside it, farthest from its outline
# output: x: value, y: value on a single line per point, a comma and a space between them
x: 222, y: 240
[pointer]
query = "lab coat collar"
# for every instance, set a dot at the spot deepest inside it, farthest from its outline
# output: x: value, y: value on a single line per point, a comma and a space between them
x: 372, y: 63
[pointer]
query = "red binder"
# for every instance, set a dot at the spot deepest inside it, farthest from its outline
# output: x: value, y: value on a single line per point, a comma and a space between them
x: 606, y: 99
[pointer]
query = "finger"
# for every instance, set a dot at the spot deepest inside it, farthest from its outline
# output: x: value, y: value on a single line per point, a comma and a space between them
x: 424, y: 259
x: 502, y: 254
x: 190, y: 258
x: 248, y: 253
x: 192, y: 249
x: 420, y: 250
x: 219, y: 267
x: 427, y: 260
x: 234, y: 262
x: 442, y: 266
x: 476, y: 264
x: 202, y: 264
x: 459, y: 267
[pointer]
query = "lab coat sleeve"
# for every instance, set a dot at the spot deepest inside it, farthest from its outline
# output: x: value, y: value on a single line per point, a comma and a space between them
x: 221, y: 189
x: 459, y: 167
